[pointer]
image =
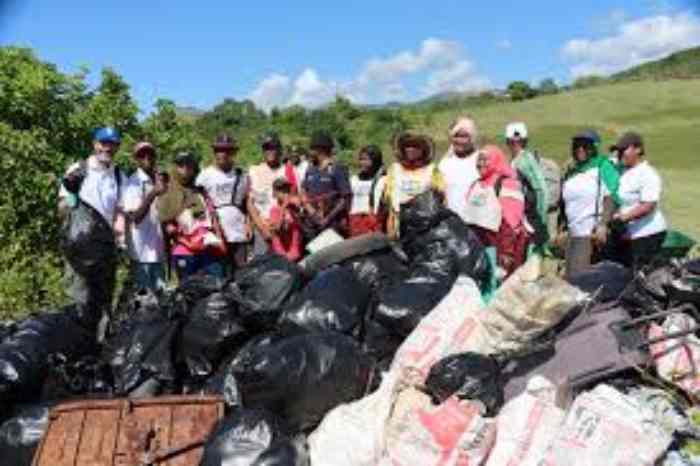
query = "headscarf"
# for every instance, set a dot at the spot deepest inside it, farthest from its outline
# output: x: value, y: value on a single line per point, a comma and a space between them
x: 464, y: 124
x: 609, y: 174
x: 510, y: 196
x: 374, y: 153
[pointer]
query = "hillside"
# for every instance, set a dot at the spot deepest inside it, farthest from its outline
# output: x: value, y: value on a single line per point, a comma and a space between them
x: 680, y: 65
x: 666, y: 113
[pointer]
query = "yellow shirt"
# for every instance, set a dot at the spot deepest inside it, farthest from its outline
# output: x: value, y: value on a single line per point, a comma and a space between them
x: 403, y: 184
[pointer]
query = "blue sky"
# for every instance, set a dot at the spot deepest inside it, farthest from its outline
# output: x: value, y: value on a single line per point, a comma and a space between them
x: 304, y: 52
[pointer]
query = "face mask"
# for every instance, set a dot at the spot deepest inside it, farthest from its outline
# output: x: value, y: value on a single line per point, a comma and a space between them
x: 103, y: 158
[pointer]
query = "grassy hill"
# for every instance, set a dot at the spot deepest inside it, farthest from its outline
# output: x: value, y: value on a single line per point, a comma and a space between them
x: 680, y: 65
x: 667, y: 114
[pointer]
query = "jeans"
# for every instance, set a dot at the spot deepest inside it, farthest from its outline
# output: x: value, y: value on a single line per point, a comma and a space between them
x: 150, y: 276
x: 186, y: 266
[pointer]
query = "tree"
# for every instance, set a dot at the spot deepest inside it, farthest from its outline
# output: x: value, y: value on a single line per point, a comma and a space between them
x: 170, y: 132
x: 520, y: 90
x: 548, y: 87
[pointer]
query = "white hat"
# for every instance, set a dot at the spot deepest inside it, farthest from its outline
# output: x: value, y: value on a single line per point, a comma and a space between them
x: 517, y: 128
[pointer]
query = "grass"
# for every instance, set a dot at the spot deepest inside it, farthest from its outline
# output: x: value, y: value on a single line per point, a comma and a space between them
x: 667, y: 113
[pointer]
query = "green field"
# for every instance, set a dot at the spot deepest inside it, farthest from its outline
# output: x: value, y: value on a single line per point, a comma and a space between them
x: 667, y: 113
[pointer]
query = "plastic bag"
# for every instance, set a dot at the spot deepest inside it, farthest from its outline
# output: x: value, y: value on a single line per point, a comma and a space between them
x: 87, y: 377
x: 20, y: 435
x: 451, y: 434
x: 452, y: 327
x: 677, y: 360
x: 241, y: 438
x: 402, y: 305
x: 334, y: 301
x: 143, y: 348
x: 526, y: 305
x: 467, y: 376
x: 605, y: 280
x: 606, y: 427
x: 302, y: 377
x: 263, y: 287
x: 527, y: 424
x: 353, y: 434
x: 24, y: 356
x: 212, y: 331
x: 373, y: 270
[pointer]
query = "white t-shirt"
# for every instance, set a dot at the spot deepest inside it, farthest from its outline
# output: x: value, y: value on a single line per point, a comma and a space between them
x: 99, y: 188
x: 144, y: 240
x: 300, y: 171
x: 361, y: 195
x: 219, y: 187
x: 261, y: 179
x: 641, y: 184
x: 579, y: 193
x: 459, y: 174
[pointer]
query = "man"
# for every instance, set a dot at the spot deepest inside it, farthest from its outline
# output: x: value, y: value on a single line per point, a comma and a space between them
x: 458, y: 166
x: 227, y: 188
x: 262, y: 199
x: 297, y: 161
x: 98, y: 183
x: 527, y: 165
x: 144, y: 235
x: 326, y: 189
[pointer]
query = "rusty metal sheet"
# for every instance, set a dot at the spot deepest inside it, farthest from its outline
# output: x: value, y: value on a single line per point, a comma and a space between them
x: 166, y: 431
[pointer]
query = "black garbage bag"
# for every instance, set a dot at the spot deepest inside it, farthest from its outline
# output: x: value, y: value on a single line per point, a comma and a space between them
x: 377, y: 268
x: 7, y: 329
x: 20, y: 435
x: 24, y: 356
x: 607, y: 280
x: 212, y: 331
x: 286, y: 452
x: 469, y: 376
x: 400, y: 306
x: 334, y: 301
x: 378, y: 341
x: 425, y: 221
x: 302, y: 377
x: 87, y: 377
x: 183, y: 299
x: 263, y: 287
x: 243, y: 438
x: 143, y: 348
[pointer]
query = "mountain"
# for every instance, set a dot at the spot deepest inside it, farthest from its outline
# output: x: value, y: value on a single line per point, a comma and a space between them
x: 680, y: 65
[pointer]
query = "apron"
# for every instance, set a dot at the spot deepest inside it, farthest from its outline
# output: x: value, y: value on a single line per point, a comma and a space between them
x: 483, y: 208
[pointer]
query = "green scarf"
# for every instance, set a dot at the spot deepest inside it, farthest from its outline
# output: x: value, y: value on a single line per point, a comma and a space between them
x: 609, y: 175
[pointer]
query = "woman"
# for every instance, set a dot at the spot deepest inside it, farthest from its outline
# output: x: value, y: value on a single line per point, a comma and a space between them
x: 639, y: 214
x: 196, y: 240
x: 496, y: 208
x: 589, y: 199
x: 367, y: 188
x: 414, y: 173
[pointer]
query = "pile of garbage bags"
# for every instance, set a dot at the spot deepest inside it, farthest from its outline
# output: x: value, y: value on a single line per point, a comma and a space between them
x: 383, y: 353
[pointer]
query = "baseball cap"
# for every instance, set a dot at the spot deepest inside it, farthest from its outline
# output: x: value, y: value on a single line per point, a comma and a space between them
x: 107, y: 134
x: 517, y: 128
x: 629, y: 139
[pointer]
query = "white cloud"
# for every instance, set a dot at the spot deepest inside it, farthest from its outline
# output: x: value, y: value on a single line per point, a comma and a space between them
x: 504, y: 44
x: 459, y: 76
x: 633, y: 42
x: 272, y: 91
x: 437, y: 66
x: 310, y: 90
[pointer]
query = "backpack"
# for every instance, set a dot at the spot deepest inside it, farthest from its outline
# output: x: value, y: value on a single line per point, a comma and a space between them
x: 540, y: 233
x: 552, y: 176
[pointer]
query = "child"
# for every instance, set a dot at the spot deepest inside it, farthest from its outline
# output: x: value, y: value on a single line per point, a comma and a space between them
x: 367, y: 189
x: 286, y: 230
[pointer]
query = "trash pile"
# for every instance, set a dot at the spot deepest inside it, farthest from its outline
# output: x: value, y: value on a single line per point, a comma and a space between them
x: 375, y: 353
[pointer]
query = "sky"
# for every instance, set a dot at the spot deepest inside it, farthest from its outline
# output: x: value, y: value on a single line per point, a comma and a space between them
x: 306, y: 52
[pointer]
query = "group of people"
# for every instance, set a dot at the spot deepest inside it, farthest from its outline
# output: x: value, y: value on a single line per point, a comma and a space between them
x: 213, y: 220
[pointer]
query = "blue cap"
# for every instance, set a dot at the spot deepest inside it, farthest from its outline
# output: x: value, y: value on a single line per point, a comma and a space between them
x: 588, y: 135
x: 108, y: 134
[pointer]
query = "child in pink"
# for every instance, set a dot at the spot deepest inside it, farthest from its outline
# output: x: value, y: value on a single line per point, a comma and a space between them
x: 287, y: 236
